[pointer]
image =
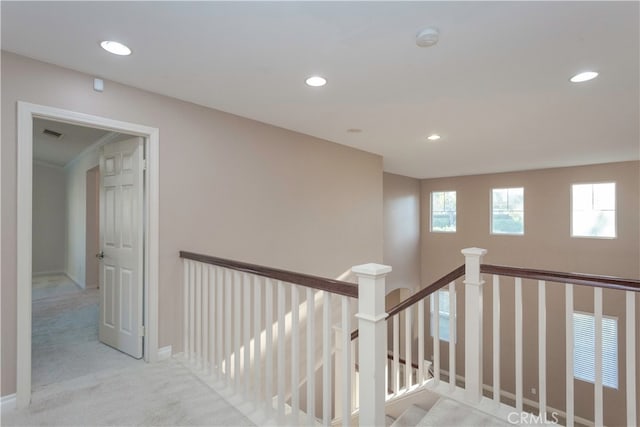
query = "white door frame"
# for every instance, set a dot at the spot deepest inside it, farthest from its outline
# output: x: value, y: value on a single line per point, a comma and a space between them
x: 26, y: 113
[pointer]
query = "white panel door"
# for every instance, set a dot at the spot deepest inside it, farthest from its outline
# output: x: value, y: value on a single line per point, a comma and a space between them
x: 121, y: 243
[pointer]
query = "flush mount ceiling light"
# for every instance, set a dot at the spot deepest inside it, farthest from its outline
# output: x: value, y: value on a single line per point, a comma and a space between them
x: 115, y: 47
x: 433, y: 137
x: 316, y: 81
x: 584, y: 77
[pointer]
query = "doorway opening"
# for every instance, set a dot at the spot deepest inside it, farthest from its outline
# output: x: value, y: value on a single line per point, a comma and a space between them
x: 128, y: 151
x: 67, y: 299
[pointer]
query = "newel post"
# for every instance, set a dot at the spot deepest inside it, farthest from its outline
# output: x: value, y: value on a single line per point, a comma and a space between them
x: 372, y: 342
x: 473, y: 324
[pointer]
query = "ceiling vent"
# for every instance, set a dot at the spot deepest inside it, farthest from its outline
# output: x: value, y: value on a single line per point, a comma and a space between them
x: 52, y: 133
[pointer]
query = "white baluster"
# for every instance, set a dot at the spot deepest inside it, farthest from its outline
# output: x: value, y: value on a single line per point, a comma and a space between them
x: 205, y: 317
x: 597, y: 311
x: 346, y: 363
x: 436, y: 337
x: 421, y: 373
x: 518, y: 343
x: 280, y: 352
x: 569, y: 353
x: 268, y: 347
x: 237, y: 322
x: 186, y: 265
x: 212, y: 318
x: 542, y: 349
x: 257, y: 340
x: 246, y: 321
x: 354, y: 379
x: 198, y: 303
x: 326, y: 359
x: 295, y: 354
x: 228, y: 325
x: 408, y: 369
x: 452, y: 335
x: 395, y: 371
x: 192, y: 312
x: 496, y: 339
x: 630, y: 345
x: 311, y: 357
x: 220, y: 284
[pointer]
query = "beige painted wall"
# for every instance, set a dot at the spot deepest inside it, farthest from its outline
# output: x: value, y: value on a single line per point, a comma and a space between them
x: 76, y: 171
x: 546, y: 245
x: 229, y: 186
x: 402, y: 230
x: 49, y: 219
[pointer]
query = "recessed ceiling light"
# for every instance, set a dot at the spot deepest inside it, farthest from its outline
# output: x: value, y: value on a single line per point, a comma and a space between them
x: 115, y: 48
x: 433, y: 137
x: 428, y: 37
x: 316, y: 81
x: 583, y: 77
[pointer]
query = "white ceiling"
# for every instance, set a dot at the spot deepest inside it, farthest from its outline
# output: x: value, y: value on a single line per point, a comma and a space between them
x: 60, y: 151
x: 495, y: 87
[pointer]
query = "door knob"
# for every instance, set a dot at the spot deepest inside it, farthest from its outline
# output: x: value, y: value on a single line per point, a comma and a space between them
x: 100, y: 255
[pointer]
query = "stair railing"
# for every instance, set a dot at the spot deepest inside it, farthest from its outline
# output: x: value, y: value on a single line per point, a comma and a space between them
x: 263, y: 333
x: 510, y: 404
x: 612, y: 288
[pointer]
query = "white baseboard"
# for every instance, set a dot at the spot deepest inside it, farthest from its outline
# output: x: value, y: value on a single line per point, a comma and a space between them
x: 527, y: 401
x: 8, y: 402
x: 164, y: 353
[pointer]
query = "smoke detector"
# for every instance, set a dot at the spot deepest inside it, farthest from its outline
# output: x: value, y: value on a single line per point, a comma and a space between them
x: 428, y: 37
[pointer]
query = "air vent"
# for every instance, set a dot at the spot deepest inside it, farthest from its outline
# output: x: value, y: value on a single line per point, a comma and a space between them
x: 52, y: 133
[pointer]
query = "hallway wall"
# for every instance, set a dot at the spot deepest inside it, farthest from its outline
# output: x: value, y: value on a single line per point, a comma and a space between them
x: 49, y: 219
x: 229, y: 186
x: 401, y: 214
x: 76, y: 176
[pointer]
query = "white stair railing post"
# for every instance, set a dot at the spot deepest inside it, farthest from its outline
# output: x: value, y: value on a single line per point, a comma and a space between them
x: 372, y: 341
x: 473, y: 324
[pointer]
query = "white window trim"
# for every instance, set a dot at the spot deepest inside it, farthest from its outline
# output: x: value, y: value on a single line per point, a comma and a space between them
x: 491, y: 232
x: 615, y: 228
x: 431, y: 230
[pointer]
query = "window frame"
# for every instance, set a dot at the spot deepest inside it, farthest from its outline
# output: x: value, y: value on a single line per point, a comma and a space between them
x: 615, y: 211
x: 493, y: 233
x: 431, y: 230
x: 615, y: 319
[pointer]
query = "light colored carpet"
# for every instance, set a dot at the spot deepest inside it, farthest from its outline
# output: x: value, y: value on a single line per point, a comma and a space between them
x: 77, y: 381
x: 65, y: 333
x: 447, y: 412
x: 160, y: 394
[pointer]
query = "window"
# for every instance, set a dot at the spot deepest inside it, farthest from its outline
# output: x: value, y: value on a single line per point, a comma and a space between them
x: 507, y: 211
x: 584, y: 349
x: 443, y: 211
x: 593, y: 210
x: 444, y: 308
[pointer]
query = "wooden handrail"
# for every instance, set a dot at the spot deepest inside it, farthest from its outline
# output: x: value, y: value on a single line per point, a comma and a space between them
x: 609, y: 282
x: 315, y: 282
x: 422, y: 294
